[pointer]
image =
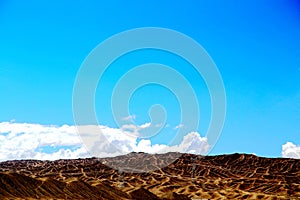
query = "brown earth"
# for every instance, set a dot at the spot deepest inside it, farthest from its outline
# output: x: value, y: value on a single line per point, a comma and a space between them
x: 236, y: 176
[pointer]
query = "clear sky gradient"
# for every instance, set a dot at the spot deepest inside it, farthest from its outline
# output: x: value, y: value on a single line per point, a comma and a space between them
x: 255, y: 45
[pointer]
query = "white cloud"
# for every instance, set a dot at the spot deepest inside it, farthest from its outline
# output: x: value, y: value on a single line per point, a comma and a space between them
x: 132, y: 129
x: 191, y: 143
x: 290, y: 150
x: 62, y: 154
x: 22, y: 141
x: 29, y: 141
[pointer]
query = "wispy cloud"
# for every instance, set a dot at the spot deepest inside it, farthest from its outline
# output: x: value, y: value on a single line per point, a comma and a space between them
x: 146, y: 125
x: 178, y: 126
x: 129, y: 118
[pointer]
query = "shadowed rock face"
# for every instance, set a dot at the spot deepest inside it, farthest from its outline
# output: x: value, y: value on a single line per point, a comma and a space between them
x: 236, y: 176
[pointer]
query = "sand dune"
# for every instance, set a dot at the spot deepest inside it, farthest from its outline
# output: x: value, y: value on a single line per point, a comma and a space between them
x: 236, y: 176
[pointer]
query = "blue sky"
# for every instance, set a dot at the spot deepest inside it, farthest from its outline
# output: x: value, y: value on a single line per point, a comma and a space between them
x: 255, y: 44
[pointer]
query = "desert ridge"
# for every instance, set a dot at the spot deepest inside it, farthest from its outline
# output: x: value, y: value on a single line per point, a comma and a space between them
x: 234, y: 176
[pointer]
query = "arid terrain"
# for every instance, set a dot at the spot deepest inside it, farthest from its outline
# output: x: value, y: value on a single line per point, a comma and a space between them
x: 235, y: 176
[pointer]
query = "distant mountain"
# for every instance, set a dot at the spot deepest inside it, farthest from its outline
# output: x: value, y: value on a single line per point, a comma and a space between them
x: 235, y: 176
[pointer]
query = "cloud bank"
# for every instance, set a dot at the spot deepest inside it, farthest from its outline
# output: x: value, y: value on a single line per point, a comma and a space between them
x: 290, y: 150
x: 48, y: 142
